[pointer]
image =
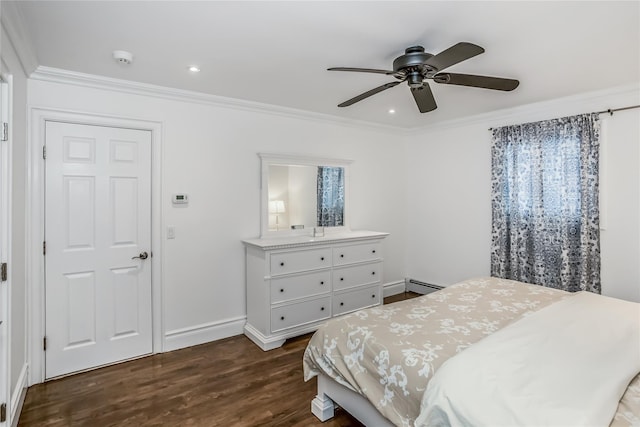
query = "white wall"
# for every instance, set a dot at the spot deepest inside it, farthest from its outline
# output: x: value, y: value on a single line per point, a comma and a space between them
x: 210, y: 152
x: 302, y: 202
x: 620, y: 205
x: 449, y: 214
x: 17, y: 266
x: 449, y: 193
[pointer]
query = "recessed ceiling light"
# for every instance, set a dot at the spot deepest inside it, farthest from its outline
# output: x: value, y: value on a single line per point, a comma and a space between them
x: 392, y: 111
x: 194, y: 69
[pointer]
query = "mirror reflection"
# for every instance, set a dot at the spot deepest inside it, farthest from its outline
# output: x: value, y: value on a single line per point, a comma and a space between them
x: 305, y: 196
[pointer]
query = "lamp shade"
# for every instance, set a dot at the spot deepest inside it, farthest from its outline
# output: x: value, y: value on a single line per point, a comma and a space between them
x: 276, y: 206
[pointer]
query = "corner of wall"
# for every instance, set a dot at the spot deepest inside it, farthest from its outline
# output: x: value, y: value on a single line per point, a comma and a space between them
x: 15, y: 31
x: 393, y: 288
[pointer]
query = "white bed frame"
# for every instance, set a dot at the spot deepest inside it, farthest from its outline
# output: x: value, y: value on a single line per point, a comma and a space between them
x: 330, y: 394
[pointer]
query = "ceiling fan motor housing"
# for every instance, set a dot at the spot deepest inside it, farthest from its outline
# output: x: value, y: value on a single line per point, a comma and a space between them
x: 414, y: 56
x: 412, y: 66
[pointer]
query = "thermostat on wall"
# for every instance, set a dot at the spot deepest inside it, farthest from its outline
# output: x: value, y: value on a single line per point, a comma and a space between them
x: 180, y: 199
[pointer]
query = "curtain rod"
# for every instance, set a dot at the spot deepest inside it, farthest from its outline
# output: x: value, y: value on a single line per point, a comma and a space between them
x: 610, y: 110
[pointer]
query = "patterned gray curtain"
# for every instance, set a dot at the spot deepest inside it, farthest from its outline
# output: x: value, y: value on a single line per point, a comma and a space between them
x: 544, y: 185
x: 330, y: 209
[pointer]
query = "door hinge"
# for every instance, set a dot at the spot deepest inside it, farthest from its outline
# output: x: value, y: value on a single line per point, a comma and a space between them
x: 3, y: 272
x: 5, y: 132
x: 3, y: 412
x: 44, y: 152
x: 44, y: 343
x: 44, y: 248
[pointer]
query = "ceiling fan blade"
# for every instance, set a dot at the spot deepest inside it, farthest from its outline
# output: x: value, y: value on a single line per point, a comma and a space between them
x: 369, y: 93
x: 361, y: 70
x: 424, y: 98
x: 485, y: 82
x: 457, y: 53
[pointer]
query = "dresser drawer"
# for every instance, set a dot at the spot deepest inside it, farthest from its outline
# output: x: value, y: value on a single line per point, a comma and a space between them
x: 300, y: 313
x: 292, y: 262
x: 356, y: 253
x: 357, y: 299
x: 292, y: 287
x: 348, y: 277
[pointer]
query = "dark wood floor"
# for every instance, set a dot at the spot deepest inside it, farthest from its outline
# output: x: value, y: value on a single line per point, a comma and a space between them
x: 230, y: 382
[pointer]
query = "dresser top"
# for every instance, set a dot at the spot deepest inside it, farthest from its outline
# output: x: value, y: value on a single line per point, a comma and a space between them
x: 329, y: 238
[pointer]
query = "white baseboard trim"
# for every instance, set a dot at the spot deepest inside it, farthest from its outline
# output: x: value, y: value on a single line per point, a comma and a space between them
x: 393, y: 288
x: 206, y: 332
x: 265, y: 343
x: 18, y: 394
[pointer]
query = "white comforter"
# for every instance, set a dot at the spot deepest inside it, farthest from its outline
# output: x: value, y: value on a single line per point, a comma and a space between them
x: 567, y: 364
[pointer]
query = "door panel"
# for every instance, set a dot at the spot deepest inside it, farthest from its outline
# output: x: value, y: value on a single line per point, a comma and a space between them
x: 79, y: 201
x: 124, y: 195
x: 125, y: 305
x: 98, y: 217
x: 80, y: 310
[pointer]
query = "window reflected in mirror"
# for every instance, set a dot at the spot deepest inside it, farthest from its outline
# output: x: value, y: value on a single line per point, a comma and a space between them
x: 330, y: 189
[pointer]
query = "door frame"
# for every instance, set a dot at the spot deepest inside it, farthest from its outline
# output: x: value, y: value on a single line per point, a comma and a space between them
x: 36, y: 218
x: 6, y: 169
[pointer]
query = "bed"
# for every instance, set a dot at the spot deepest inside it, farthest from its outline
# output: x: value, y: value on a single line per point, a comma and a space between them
x: 381, y: 364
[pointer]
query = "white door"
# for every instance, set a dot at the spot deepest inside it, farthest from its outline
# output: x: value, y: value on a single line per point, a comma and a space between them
x: 97, y: 233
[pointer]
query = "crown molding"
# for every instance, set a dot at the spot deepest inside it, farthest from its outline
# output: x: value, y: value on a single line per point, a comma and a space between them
x: 12, y: 22
x: 569, y: 105
x: 57, y: 75
x: 559, y: 107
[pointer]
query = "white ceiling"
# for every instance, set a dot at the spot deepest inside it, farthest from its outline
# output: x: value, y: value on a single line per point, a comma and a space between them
x: 278, y: 52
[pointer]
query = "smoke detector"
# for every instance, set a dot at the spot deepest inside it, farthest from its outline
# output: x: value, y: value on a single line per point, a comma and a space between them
x: 123, y: 57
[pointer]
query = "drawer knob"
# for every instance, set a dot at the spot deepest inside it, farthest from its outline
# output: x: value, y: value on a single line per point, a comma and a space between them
x: 321, y: 308
x: 373, y: 296
x: 341, y: 303
x: 282, y: 264
x: 373, y: 272
x: 281, y: 290
x: 341, y: 279
x: 281, y: 317
x: 322, y: 283
x: 341, y: 255
x: 373, y: 251
x: 321, y: 258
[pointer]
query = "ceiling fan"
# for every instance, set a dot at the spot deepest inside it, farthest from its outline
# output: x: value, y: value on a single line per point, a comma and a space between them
x: 417, y: 66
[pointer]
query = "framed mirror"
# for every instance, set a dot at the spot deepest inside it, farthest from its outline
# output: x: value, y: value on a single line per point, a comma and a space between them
x: 299, y: 193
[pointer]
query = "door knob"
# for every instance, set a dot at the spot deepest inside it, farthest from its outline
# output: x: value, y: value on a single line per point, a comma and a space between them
x: 143, y: 255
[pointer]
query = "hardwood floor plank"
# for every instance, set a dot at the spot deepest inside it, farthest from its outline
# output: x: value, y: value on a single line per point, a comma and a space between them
x: 230, y: 382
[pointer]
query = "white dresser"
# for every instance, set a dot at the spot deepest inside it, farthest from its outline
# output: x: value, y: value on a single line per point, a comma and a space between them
x: 296, y: 283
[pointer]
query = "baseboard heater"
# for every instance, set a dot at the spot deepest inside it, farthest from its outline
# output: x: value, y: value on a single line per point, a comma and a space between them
x: 421, y: 287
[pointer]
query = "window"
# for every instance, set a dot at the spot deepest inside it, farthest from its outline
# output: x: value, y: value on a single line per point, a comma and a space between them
x: 545, y: 226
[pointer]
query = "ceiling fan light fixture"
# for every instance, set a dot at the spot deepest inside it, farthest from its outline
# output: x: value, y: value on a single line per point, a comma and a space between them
x: 414, y: 79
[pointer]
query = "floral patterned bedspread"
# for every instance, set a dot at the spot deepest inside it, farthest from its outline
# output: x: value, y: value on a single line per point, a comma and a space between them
x: 389, y: 353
